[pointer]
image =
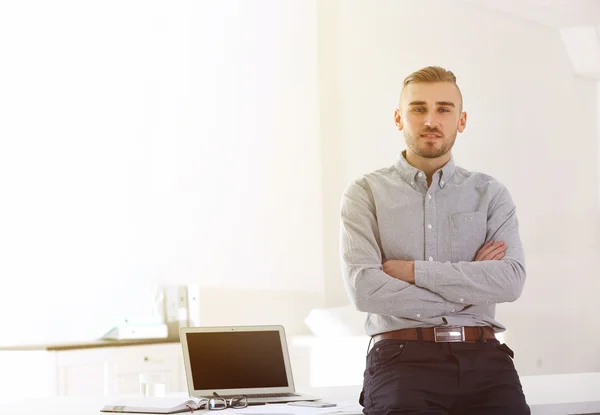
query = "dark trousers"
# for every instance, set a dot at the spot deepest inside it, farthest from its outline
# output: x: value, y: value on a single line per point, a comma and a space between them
x: 411, y: 377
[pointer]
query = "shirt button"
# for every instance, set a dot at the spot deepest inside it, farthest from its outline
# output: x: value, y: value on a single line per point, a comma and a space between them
x: 429, y: 196
x: 430, y: 258
x: 420, y: 174
x: 418, y: 315
x: 442, y: 183
x: 429, y: 226
x: 452, y: 311
x: 461, y: 300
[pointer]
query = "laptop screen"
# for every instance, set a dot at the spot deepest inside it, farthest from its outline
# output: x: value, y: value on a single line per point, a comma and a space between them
x: 236, y: 360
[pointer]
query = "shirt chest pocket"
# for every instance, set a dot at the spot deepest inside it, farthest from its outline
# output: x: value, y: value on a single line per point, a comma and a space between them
x: 467, y: 235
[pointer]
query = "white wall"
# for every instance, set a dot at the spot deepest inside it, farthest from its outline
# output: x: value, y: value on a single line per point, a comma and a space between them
x: 532, y: 125
x: 152, y: 142
x: 598, y: 126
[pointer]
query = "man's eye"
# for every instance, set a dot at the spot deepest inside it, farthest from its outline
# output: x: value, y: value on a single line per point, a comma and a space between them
x: 418, y: 109
x: 444, y: 110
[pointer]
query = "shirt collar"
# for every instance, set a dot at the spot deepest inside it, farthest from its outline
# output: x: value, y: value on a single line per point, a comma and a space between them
x: 409, y: 173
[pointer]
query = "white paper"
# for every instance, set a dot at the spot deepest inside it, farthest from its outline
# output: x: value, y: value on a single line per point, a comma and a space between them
x: 284, y: 409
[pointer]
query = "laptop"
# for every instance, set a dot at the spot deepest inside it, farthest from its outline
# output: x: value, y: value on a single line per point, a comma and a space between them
x: 239, y: 360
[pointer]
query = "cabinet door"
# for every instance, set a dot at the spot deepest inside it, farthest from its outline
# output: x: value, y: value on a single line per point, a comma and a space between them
x: 84, y: 379
x: 27, y: 373
x: 85, y: 372
x: 161, y: 358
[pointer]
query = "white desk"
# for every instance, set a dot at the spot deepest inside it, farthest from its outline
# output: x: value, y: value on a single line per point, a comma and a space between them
x: 575, y: 393
x: 547, y: 395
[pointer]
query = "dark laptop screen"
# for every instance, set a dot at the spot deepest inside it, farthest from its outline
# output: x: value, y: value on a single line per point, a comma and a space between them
x: 236, y: 360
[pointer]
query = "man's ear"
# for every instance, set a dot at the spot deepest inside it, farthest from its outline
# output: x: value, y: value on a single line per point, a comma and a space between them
x: 462, y: 122
x: 398, y: 120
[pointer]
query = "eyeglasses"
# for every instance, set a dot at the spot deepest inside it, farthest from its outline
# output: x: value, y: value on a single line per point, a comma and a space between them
x: 218, y: 403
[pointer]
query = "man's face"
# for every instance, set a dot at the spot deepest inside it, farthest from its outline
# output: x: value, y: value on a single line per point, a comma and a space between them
x: 430, y: 116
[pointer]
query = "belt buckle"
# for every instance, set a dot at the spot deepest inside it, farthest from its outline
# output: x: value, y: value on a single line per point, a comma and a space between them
x: 450, y: 334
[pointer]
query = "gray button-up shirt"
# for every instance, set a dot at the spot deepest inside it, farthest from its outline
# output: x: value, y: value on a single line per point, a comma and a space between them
x: 392, y: 214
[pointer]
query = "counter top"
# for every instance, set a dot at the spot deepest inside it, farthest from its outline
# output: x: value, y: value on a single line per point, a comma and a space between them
x: 575, y: 393
x: 87, y: 344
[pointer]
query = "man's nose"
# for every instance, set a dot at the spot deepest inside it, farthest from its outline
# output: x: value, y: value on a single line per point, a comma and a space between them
x: 430, y: 120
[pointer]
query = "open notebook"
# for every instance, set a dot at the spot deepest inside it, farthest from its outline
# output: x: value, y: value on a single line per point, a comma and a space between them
x: 148, y: 405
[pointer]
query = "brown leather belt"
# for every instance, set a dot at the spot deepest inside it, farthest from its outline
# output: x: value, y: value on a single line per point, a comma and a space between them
x: 443, y: 334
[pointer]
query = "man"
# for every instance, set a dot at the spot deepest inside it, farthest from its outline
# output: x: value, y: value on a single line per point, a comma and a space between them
x: 428, y: 250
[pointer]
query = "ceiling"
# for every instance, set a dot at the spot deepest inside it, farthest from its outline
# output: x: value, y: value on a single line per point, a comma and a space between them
x: 554, y: 13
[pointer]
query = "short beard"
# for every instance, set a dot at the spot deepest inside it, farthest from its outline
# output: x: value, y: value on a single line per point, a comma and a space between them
x: 430, y: 153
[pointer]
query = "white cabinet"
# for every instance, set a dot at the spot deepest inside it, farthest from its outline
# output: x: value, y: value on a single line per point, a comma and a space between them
x: 94, y: 371
x: 26, y: 374
x: 115, y: 370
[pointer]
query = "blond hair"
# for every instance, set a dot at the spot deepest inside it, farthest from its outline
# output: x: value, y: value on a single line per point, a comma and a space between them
x: 432, y: 74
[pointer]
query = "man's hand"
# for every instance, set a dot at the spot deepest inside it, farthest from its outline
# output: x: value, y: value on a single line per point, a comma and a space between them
x: 491, y: 251
x: 402, y: 270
